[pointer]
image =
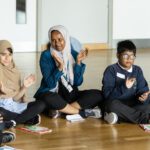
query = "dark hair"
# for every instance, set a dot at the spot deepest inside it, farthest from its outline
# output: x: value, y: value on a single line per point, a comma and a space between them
x: 48, y: 45
x: 126, y: 45
x: 10, y: 50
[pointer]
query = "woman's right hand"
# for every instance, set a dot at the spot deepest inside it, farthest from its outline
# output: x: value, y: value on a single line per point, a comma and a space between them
x: 58, y: 60
x: 28, y: 81
x: 1, y: 88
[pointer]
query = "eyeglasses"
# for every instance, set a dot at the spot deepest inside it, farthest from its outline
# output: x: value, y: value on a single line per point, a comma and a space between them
x: 126, y: 56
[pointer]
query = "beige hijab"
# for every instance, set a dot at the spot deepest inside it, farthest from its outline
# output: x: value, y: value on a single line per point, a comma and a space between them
x: 9, y: 75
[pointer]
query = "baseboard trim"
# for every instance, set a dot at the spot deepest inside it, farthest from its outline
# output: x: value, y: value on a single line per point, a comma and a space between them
x: 90, y: 46
x: 96, y: 46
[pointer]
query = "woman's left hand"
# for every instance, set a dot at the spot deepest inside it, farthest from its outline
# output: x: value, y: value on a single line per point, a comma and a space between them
x: 82, y: 55
x: 28, y: 81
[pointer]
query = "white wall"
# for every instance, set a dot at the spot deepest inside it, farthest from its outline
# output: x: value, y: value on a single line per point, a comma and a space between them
x: 87, y: 20
x: 131, y: 19
x: 22, y: 36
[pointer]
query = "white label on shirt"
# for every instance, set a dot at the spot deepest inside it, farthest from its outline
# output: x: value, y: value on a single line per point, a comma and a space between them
x: 122, y: 76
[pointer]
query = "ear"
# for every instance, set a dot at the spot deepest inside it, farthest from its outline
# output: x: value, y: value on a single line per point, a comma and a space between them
x: 117, y: 55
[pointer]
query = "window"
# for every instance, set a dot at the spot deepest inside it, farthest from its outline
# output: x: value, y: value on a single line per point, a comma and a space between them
x: 21, y: 12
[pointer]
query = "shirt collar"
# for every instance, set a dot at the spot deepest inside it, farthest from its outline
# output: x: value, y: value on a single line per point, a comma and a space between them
x: 129, y: 70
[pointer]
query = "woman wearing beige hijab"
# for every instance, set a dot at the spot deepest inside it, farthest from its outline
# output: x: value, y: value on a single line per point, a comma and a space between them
x: 14, y: 105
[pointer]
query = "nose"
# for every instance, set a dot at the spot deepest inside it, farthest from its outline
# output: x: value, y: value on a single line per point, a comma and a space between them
x: 7, y: 57
x: 57, y: 42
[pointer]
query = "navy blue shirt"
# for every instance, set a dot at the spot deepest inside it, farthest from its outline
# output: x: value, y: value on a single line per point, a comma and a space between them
x: 114, y: 86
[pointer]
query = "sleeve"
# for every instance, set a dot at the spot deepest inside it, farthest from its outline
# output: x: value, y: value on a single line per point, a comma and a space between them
x: 112, y: 90
x: 50, y: 73
x: 142, y: 85
x: 78, y: 74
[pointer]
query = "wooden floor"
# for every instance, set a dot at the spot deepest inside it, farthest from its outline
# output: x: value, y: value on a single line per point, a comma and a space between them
x: 91, y: 134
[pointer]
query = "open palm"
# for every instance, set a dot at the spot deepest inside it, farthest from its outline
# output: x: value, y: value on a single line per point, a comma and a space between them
x: 1, y: 88
x: 82, y: 55
x: 28, y: 81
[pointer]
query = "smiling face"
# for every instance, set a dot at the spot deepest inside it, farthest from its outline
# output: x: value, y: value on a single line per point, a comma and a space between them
x: 57, y: 40
x: 6, y: 57
x: 126, y: 59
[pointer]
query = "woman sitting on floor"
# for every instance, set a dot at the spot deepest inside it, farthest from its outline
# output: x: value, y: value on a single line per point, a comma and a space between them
x: 15, y: 108
x: 62, y: 70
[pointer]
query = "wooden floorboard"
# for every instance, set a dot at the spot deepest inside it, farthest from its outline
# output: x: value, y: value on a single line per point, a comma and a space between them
x: 91, y: 134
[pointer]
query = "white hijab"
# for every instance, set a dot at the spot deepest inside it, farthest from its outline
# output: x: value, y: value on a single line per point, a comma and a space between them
x: 65, y: 54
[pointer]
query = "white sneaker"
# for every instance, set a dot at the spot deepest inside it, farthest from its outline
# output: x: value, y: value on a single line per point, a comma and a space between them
x: 94, y: 113
x: 111, y: 118
x: 74, y: 118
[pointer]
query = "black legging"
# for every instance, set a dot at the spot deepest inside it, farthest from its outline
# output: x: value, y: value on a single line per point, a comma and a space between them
x: 32, y: 110
x: 1, y: 136
x: 86, y: 99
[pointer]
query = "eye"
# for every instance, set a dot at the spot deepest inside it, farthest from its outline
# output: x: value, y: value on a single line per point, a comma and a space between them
x: 2, y: 54
x: 125, y: 56
x: 60, y: 40
x: 53, y: 40
x: 132, y: 57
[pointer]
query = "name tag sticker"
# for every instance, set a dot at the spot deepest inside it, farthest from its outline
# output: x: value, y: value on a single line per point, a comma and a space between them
x: 122, y: 76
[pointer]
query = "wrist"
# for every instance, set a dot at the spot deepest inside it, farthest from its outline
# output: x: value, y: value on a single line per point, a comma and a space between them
x: 24, y: 87
x: 79, y: 62
x: 60, y: 68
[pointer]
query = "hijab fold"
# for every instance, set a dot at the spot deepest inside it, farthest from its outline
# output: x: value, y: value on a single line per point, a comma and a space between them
x: 9, y: 75
x: 65, y: 54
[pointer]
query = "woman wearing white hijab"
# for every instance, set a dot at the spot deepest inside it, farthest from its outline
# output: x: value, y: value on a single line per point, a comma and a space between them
x: 62, y: 71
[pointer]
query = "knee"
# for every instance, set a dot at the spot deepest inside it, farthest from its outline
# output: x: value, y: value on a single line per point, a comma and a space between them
x: 2, y: 111
x: 111, y: 106
x: 49, y: 98
x: 97, y: 94
x: 147, y: 108
x: 40, y: 105
x: 95, y: 91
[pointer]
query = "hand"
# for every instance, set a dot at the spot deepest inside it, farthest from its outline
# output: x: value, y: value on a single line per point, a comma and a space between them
x: 82, y: 55
x: 1, y: 118
x: 144, y: 96
x: 28, y: 81
x: 60, y: 62
x: 1, y: 88
x: 130, y: 82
